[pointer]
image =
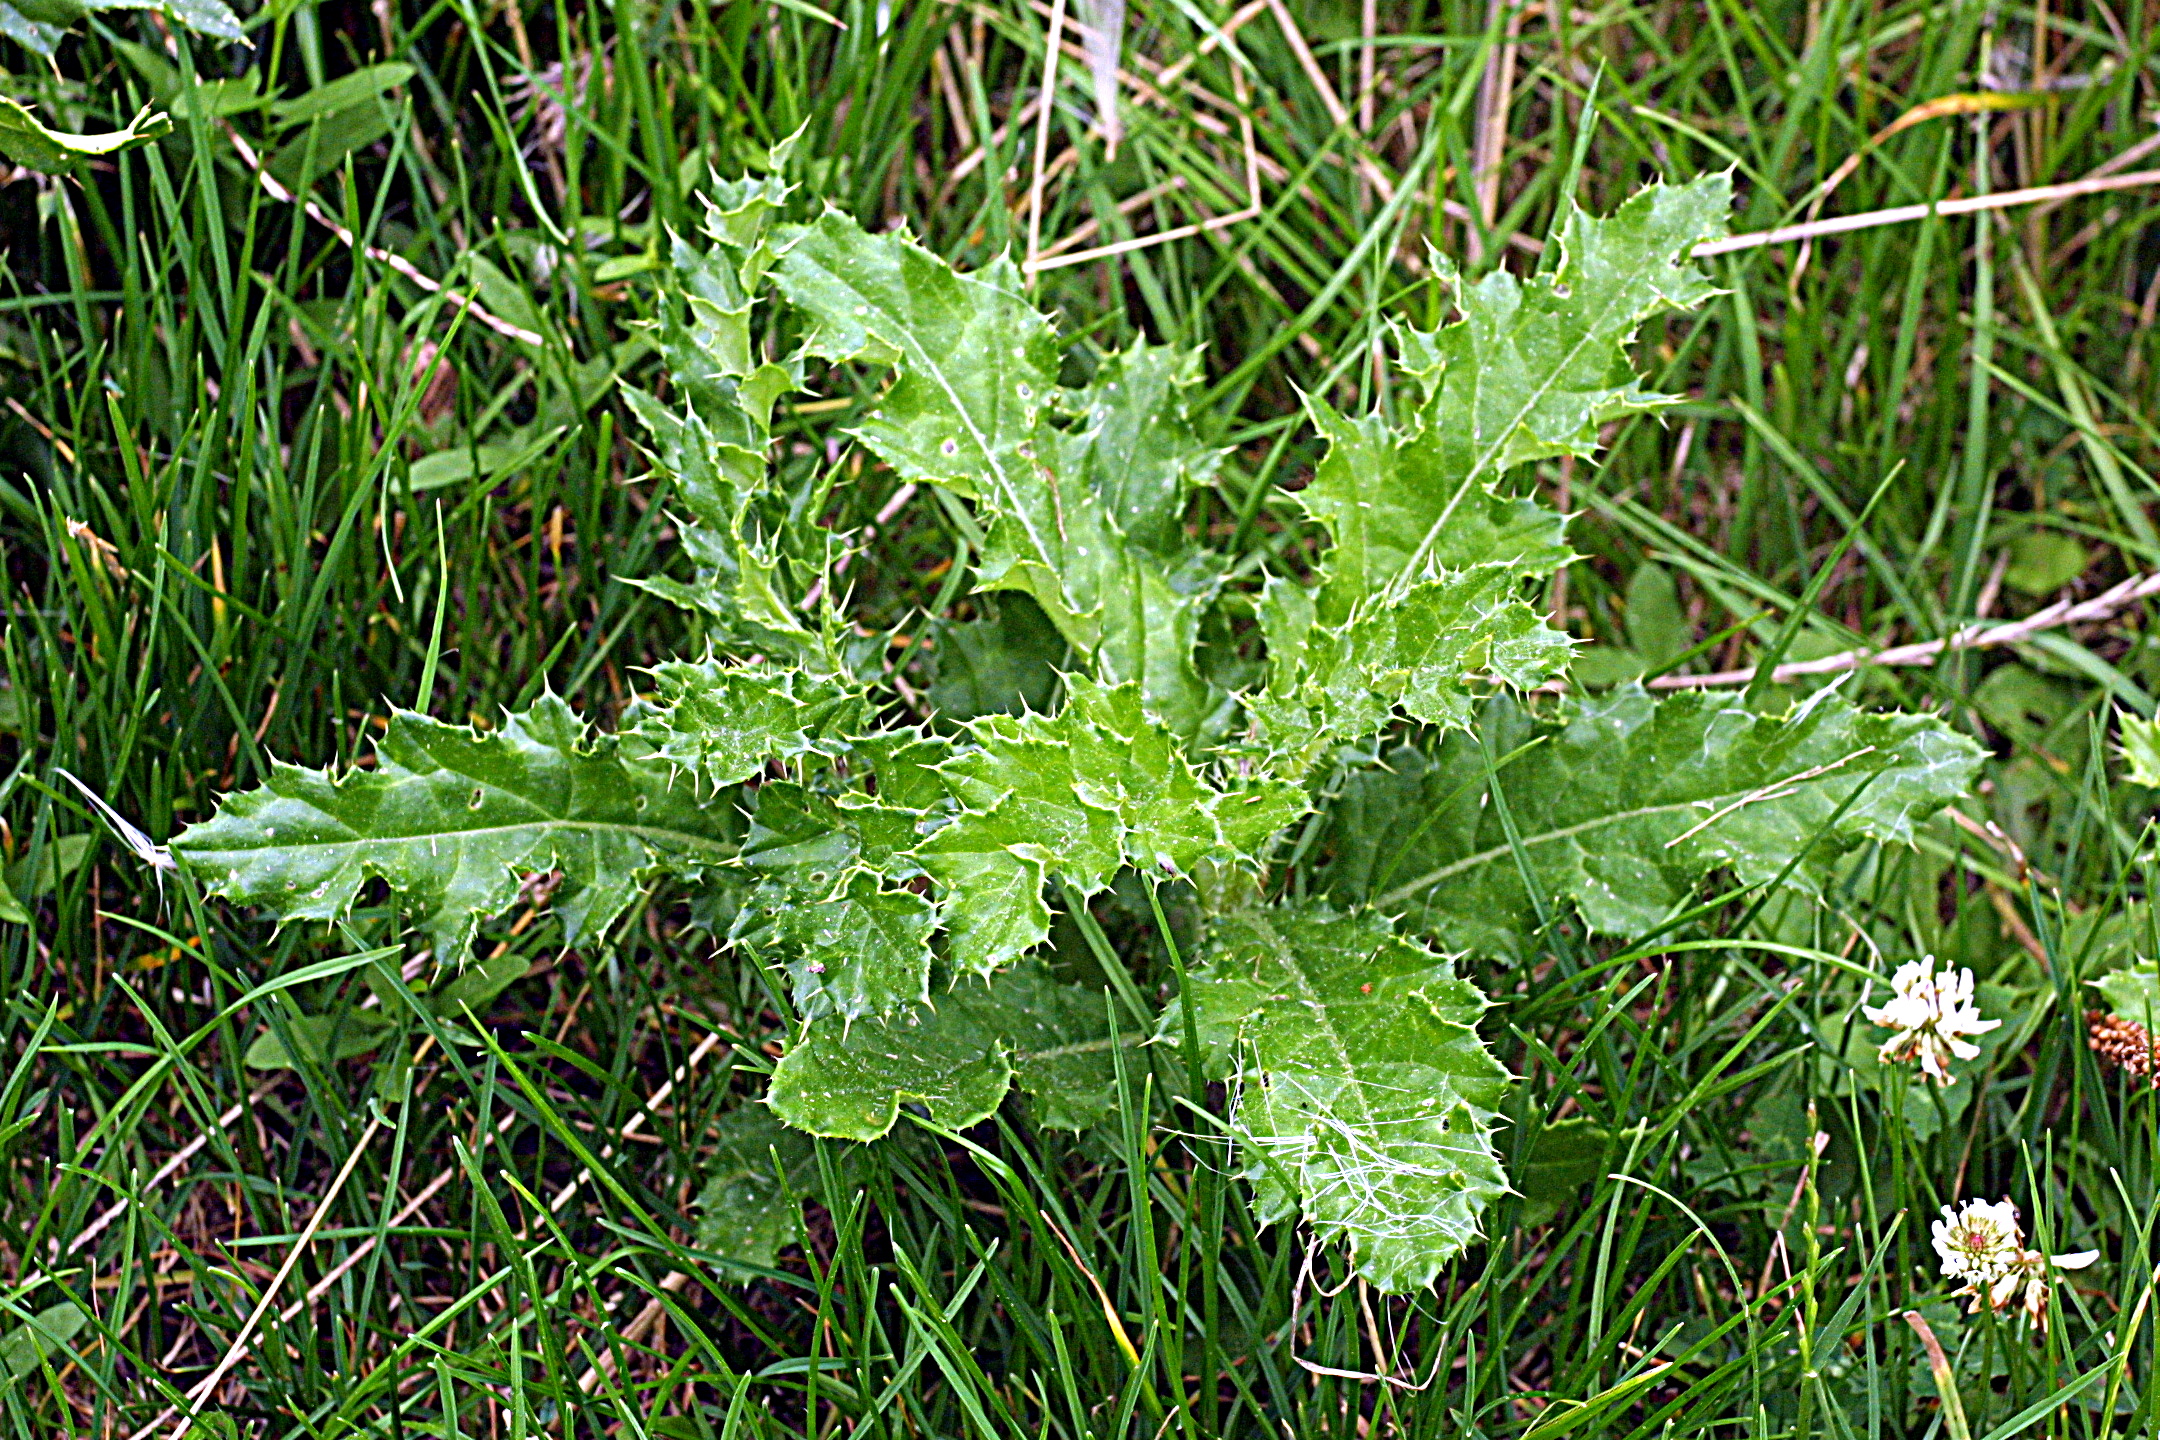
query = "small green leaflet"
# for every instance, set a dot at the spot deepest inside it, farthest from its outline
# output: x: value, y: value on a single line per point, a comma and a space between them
x: 42, y: 1340
x: 956, y: 1058
x: 1096, y: 788
x: 52, y: 152
x: 319, y: 1039
x: 1625, y: 806
x: 324, y: 1039
x: 1365, y: 1097
x: 452, y: 818
x: 1566, y: 1156
x: 1001, y: 664
x: 2133, y: 992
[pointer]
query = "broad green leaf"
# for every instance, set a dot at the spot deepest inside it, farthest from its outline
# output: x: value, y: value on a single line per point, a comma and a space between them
x: 53, y: 152
x: 1098, y: 787
x: 475, y: 987
x: 1624, y: 807
x: 11, y: 909
x: 1366, y: 1098
x: 956, y: 1058
x: 999, y: 665
x: 453, y: 818
x: 756, y: 1178
x: 857, y: 945
x: 1133, y: 443
x: 990, y: 892
x: 40, y: 1340
x: 2133, y: 992
x: 206, y: 17
x: 1565, y: 1157
x: 724, y: 722
x: 459, y: 464
x: 903, y: 766
x: 1529, y: 372
x: 320, y: 1039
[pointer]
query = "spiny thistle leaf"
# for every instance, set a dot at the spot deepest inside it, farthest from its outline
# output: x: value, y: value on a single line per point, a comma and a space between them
x: 955, y: 1058
x: 1366, y: 1098
x: 714, y: 443
x: 1433, y: 653
x: 452, y: 818
x: 856, y: 945
x: 31, y: 145
x: 975, y: 363
x: 974, y: 407
x: 723, y: 723
x: 1418, y: 597
x: 1096, y: 788
x: 1534, y: 367
x: 1625, y: 807
x: 1379, y: 492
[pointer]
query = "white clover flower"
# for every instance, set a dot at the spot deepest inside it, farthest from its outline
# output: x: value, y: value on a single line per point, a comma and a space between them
x: 1929, y: 1016
x: 1982, y: 1244
x: 1979, y: 1242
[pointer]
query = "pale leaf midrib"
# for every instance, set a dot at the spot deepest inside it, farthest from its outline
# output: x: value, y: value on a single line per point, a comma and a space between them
x: 919, y: 356
x: 1566, y: 832
x: 363, y: 843
x: 1537, y: 393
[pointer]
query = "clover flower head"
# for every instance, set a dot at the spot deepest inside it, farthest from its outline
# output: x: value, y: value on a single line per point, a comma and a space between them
x: 1929, y: 1014
x: 1982, y: 1244
x: 1979, y: 1242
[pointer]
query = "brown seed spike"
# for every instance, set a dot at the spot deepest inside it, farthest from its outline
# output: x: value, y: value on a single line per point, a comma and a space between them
x: 2122, y: 1043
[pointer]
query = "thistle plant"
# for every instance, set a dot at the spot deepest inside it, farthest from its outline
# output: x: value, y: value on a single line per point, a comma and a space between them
x: 897, y: 874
